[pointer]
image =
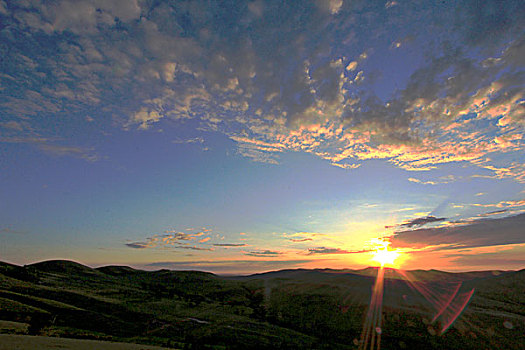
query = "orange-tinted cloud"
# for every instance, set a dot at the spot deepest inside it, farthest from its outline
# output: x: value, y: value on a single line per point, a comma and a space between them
x: 300, y: 239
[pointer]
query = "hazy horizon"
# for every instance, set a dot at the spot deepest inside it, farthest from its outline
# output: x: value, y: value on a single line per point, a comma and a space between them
x: 160, y: 266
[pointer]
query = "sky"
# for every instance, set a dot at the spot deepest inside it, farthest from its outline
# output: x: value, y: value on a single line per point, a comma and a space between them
x: 249, y: 136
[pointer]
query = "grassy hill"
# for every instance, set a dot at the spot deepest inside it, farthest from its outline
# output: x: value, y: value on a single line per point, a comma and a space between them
x: 288, y: 309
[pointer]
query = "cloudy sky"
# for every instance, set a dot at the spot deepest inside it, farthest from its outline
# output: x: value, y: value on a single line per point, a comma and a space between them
x: 247, y: 136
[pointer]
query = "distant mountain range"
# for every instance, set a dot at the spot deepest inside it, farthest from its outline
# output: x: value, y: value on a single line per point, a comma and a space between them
x: 287, y: 309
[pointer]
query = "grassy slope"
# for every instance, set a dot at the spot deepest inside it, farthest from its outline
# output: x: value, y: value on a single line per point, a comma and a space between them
x: 284, y: 309
x: 15, y: 342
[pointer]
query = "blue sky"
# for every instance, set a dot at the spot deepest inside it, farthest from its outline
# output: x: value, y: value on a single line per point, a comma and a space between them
x: 241, y: 137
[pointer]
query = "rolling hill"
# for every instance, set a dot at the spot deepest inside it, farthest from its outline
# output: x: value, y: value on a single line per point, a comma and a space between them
x: 287, y: 309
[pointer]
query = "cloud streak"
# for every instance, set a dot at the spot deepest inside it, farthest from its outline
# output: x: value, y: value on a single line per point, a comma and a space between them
x: 418, y: 222
x: 263, y: 253
x: 49, y: 146
x: 193, y: 248
x: 325, y: 250
x: 138, y: 245
x: 297, y: 240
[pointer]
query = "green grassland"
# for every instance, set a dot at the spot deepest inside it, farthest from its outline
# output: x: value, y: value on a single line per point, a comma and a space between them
x: 289, y: 309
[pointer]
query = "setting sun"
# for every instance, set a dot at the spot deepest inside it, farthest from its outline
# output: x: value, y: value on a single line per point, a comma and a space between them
x: 385, y: 256
x: 382, y: 254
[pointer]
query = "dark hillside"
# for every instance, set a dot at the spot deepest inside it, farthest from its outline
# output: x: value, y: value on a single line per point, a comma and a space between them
x: 117, y: 270
x: 288, y: 309
x: 63, y: 266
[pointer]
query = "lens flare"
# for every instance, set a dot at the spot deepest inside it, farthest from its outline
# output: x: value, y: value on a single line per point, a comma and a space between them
x: 371, y: 334
x: 448, y: 302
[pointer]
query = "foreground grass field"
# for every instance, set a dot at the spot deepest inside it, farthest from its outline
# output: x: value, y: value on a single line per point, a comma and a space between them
x: 27, y: 342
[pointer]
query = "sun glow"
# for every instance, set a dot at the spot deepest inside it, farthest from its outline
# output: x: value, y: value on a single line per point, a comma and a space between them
x: 383, y: 254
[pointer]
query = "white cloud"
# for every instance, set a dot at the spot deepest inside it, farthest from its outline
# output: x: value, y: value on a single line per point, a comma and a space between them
x: 145, y: 117
x: 333, y: 6
x: 351, y: 66
x: 79, y: 17
x: 273, y: 73
x: 87, y: 154
x: 390, y: 4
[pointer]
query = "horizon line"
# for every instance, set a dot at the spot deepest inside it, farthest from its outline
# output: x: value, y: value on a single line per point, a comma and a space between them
x: 94, y: 267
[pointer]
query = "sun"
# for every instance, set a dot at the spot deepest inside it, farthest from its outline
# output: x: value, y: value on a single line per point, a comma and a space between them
x: 382, y: 254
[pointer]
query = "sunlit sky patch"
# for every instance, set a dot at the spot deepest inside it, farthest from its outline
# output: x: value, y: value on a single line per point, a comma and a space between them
x: 283, y: 134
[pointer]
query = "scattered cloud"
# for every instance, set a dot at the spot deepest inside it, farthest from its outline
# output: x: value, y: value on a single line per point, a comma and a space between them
x: 411, y: 179
x: 173, y: 236
x: 440, y: 180
x: 172, y: 239
x: 346, y: 166
x: 507, y: 204
x: 390, y: 4
x: 144, y: 118
x: 455, y: 107
x: 418, y: 222
x: 141, y: 66
x: 330, y: 6
x: 192, y: 140
x: 351, y: 66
